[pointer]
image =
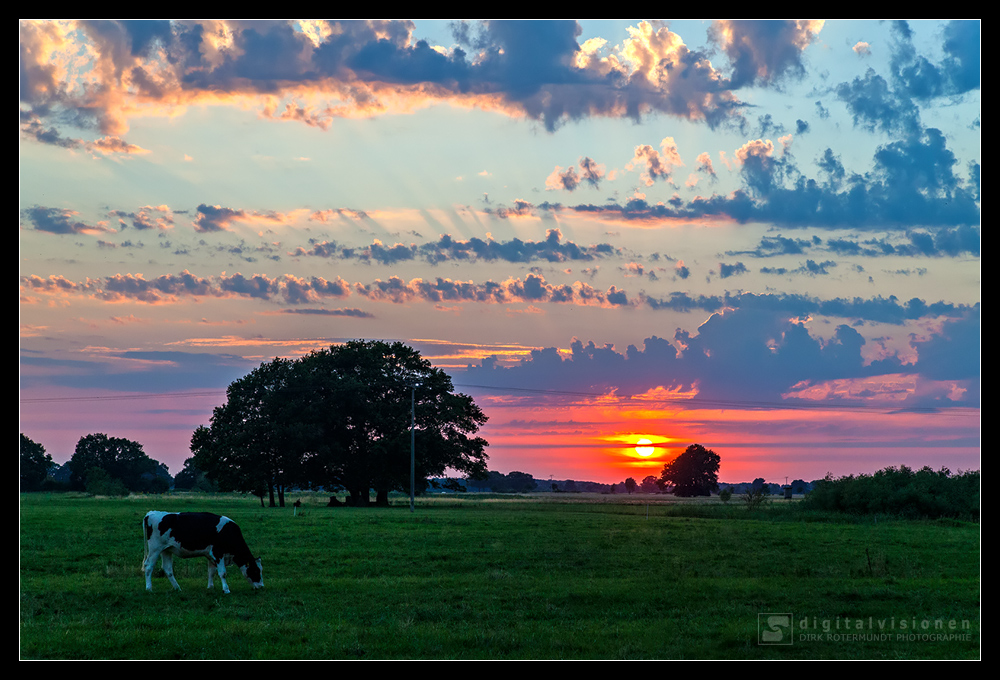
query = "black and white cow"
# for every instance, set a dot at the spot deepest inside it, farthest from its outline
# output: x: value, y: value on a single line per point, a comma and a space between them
x: 197, y: 534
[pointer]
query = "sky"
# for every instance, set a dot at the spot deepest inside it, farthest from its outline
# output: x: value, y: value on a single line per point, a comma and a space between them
x: 759, y: 236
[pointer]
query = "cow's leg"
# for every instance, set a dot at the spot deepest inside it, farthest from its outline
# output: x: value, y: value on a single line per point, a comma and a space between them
x: 211, y: 573
x: 148, y: 567
x: 168, y: 569
x: 220, y: 566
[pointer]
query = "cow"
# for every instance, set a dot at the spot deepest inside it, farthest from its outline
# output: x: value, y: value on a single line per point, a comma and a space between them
x: 197, y: 534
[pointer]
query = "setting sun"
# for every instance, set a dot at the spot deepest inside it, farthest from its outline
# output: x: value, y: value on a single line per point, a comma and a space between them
x: 644, y: 449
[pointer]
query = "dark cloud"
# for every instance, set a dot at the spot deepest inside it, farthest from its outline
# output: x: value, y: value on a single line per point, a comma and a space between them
x: 216, y: 218
x: 744, y: 355
x: 446, y: 248
x: 529, y: 68
x: 728, y: 270
x: 874, y: 105
x: 958, y: 72
x: 60, y: 221
x: 763, y: 52
x: 810, y: 268
x: 570, y: 178
x: 352, y: 312
x: 912, y: 182
x: 533, y: 289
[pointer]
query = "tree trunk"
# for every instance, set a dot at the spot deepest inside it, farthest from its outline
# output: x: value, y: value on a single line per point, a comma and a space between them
x: 382, y: 498
x: 270, y: 494
x: 281, y: 495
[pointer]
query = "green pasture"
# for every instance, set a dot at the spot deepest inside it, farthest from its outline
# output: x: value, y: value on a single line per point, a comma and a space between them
x: 479, y: 577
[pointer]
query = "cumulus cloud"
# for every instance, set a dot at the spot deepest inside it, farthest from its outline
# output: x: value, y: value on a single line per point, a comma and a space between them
x: 447, y: 248
x: 62, y: 221
x: 315, y: 72
x: 746, y: 355
x: 728, y: 270
x: 655, y: 164
x: 569, y: 179
x: 532, y: 289
x: 764, y: 52
x: 912, y: 182
x: 218, y: 218
x: 917, y: 76
x: 147, y: 217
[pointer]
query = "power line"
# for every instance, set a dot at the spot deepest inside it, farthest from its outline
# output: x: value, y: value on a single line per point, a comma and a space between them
x: 692, y: 403
x: 127, y: 397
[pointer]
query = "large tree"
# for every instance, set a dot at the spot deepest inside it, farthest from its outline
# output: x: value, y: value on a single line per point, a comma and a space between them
x: 693, y: 473
x: 250, y: 445
x: 121, y: 459
x: 340, y: 418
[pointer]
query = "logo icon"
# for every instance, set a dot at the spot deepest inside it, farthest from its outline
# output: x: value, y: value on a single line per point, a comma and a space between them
x: 774, y: 629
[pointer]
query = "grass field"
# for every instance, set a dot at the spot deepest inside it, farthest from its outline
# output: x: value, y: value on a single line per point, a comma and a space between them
x: 567, y: 576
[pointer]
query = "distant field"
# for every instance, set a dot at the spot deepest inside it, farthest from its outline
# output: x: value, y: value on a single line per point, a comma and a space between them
x: 572, y: 576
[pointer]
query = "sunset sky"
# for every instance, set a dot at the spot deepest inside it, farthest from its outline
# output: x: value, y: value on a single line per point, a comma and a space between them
x: 760, y: 236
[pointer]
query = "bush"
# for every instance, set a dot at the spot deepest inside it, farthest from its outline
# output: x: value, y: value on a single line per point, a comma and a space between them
x: 100, y: 483
x: 901, y: 492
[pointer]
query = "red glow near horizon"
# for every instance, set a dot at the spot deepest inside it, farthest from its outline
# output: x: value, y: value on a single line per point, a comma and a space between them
x: 590, y: 441
x: 587, y: 439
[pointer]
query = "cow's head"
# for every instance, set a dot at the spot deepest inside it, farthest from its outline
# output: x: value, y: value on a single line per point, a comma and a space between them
x: 254, y: 573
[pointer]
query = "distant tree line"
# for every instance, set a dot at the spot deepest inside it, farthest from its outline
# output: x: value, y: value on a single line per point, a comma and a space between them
x: 497, y: 482
x: 101, y: 465
x: 901, y: 492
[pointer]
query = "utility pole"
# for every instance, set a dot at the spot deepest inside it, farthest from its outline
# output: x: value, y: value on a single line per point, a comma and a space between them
x: 413, y: 445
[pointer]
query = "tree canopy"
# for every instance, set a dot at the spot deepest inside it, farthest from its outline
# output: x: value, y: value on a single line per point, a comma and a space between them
x: 693, y: 473
x: 119, y: 459
x: 340, y: 418
x: 35, y: 464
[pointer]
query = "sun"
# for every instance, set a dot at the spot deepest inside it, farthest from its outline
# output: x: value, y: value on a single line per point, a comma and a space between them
x: 643, y: 448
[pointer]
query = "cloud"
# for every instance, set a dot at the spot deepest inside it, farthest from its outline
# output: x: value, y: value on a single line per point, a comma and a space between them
x: 147, y: 217
x: 656, y: 164
x: 532, y: 289
x: 958, y: 73
x: 590, y: 172
x: 764, y: 52
x: 62, y: 221
x: 218, y: 218
x: 749, y: 356
x: 111, y: 145
x: 728, y: 270
x: 875, y: 105
x: 352, y: 312
x: 912, y: 182
x: 810, y: 268
x: 705, y: 165
x: 315, y: 72
x: 446, y: 248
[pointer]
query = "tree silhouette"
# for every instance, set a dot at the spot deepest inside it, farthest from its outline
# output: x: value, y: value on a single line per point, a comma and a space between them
x: 341, y: 418
x: 693, y: 473
x: 122, y: 459
x: 35, y: 464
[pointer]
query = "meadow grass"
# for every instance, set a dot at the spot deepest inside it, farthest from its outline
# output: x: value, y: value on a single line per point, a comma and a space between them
x: 487, y: 577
